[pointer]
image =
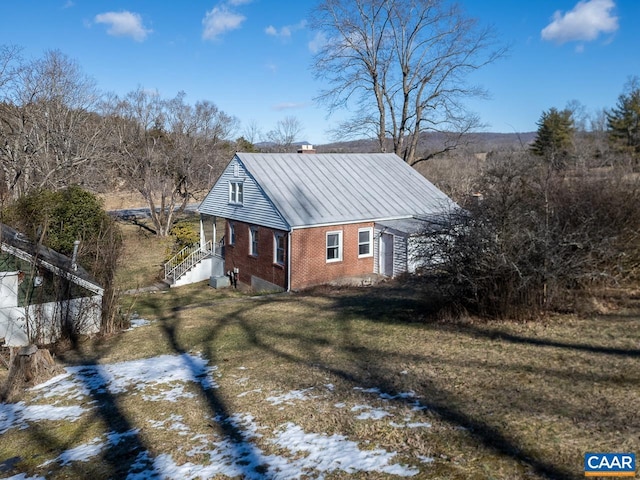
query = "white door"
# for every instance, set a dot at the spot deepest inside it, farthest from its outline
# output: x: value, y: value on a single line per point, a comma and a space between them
x: 386, y: 254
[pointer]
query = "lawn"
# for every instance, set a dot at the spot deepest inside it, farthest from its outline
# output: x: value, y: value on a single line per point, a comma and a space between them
x: 331, y: 383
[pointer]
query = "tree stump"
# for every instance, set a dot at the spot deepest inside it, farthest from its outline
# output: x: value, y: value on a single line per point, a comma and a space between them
x: 28, y: 366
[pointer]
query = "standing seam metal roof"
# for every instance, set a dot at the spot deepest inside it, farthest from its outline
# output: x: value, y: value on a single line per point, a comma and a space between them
x: 314, y: 189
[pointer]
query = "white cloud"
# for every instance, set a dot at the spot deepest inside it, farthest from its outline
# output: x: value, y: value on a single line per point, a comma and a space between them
x: 221, y: 20
x: 319, y: 41
x: 587, y: 20
x: 289, y: 106
x: 237, y: 3
x: 124, y: 24
x: 286, y: 31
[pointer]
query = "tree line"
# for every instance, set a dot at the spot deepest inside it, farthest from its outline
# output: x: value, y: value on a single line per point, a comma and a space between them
x: 552, y: 225
x: 569, y: 136
x: 57, y: 129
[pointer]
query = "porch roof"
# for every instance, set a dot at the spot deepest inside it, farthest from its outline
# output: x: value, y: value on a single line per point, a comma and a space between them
x: 413, y: 225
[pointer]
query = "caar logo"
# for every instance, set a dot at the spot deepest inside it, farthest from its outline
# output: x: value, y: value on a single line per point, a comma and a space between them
x: 610, y: 464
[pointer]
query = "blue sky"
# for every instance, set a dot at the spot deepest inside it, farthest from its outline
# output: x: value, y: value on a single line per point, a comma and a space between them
x: 252, y: 57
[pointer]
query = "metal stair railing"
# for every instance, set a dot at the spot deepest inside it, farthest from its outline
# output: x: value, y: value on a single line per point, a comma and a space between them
x: 179, y: 257
x: 185, y: 259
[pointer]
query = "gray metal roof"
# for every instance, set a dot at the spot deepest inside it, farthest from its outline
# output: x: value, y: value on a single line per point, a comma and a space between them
x: 316, y: 189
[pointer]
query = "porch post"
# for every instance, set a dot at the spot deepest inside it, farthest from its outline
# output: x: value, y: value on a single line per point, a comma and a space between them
x: 214, y: 242
x: 203, y: 241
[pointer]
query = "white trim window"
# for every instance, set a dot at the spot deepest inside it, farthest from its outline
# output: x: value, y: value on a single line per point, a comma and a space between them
x: 232, y: 233
x: 278, y: 248
x: 236, y: 192
x: 334, y: 246
x: 253, y: 241
x: 365, y: 242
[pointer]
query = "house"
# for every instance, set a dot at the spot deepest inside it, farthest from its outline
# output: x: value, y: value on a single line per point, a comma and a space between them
x: 291, y: 221
x: 42, y: 292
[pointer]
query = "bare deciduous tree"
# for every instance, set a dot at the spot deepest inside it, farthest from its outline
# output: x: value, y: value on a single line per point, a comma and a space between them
x: 285, y: 134
x: 252, y: 132
x: 404, y: 64
x: 49, y: 125
x: 169, y: 150
x: 9, y: 61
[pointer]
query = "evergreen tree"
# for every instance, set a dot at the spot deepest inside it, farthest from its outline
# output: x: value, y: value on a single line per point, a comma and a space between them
x: 623, y: 121
x: 244, y: 145
x: 555, y: 136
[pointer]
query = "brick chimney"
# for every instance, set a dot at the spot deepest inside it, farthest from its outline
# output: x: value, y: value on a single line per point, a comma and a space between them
x: 306, y: 149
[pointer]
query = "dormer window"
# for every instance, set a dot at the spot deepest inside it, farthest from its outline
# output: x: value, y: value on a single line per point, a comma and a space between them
x: 236, y: 193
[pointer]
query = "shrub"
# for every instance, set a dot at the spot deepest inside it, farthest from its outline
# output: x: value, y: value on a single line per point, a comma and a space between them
x: 186, y: 234
x: 537, y: 236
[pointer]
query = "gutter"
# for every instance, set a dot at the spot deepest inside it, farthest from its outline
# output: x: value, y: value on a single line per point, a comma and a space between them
x: 92, y: 287
x: 349, y: 222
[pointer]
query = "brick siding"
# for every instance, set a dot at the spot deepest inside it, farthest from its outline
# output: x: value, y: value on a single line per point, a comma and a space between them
x: 262, y: 265
x: 309, y: 250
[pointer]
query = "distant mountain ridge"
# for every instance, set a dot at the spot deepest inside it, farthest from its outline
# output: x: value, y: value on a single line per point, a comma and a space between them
x: 477, y: 142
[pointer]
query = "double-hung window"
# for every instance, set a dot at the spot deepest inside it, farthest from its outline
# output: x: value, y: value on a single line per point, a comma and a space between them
x: 236, y: 192
x: 278, y: 248
x: 364, y: 242
x: 334, y: 246
x: 253, y: 241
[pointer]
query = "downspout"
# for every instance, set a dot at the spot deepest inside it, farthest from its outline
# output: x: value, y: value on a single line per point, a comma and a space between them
x: 289, y: 261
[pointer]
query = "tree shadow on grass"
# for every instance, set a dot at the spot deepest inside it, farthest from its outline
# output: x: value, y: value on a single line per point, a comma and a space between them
x: 245, y: 456
x: 365, y: 365
x: 119, y: 457
x: 370, y: 373
x: 395, y: 306
x: 496, y: 334
x: 367, y: 369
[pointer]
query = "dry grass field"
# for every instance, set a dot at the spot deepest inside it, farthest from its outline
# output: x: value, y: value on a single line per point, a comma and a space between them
x: 331, y: 383
x: 462, y: 399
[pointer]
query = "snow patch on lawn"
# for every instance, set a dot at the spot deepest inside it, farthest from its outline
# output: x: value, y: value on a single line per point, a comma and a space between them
x: 330, y: 453
x: 369, y: 413
x: 244, y: 394
x: 133, y: 375
x: 19, y: 415
x: 86, y: 451
x: 289, y: 397
x: 386, y: 396
x: 174, y: 422
x: 137, y: 322
x: 23, y: 476
x: 81, y: 453
x: 244, y: 453
x: 313, y: 452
